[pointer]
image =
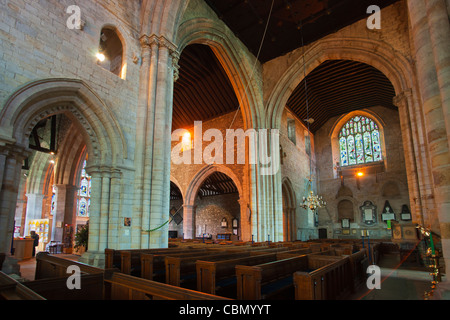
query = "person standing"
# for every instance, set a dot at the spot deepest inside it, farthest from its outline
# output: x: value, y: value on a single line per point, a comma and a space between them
x: 35, y: 237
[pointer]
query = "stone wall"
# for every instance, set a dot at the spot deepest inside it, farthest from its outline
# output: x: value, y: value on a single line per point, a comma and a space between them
x: 390, y: 185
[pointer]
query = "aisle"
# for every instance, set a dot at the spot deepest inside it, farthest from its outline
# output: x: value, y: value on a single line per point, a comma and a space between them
x: 397, y: 282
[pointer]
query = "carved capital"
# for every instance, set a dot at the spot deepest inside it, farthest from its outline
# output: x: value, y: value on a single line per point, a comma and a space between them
x: 400, y: 99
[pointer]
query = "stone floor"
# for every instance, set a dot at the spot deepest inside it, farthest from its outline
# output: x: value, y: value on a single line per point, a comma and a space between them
x: 399, y: 281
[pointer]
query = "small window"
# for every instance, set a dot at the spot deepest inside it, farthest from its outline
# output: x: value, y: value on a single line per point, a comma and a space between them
x: 360, y: 142
x: 110, y: 52
x: 291, y: 130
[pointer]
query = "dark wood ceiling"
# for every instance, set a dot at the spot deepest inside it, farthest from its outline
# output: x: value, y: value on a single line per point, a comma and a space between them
x: 337, y: 87
x: 203, y: 91
x: 248, y: 20
x: 217, y: 184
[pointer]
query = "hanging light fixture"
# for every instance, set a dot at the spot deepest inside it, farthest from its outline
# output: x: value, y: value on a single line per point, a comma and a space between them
x: 312, y: 201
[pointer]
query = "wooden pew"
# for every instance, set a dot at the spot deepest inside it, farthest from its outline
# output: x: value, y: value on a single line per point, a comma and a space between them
x: 152, y: 266
x: 48, y: 266
x: 91, y: 288
x: 10, y: 289
x: 332, y: 281
x: 266, y: 280
x: 180, y: 269
x: 215, y: 275
x: 119, y: 286
x: 128, y: 260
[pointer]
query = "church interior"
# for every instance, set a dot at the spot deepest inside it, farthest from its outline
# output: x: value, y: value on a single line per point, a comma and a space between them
x: 225, y: 150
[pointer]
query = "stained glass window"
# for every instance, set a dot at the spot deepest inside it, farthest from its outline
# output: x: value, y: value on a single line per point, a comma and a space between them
x: 84, y: 193
x: 359, y: 142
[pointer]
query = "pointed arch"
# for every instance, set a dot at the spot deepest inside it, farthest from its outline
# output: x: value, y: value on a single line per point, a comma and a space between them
x: 41, y: 99
x: 377, y: 54
x: 241, y: 69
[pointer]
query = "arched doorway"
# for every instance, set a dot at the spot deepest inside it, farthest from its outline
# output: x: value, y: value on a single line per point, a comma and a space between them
x: 213, y: 205
x: 289, y: 210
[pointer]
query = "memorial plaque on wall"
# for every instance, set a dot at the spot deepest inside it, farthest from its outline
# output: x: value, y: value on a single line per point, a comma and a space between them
x: 368, y: 213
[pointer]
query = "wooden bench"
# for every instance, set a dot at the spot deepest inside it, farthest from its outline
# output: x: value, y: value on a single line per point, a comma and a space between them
x: 11, y: 289
x: 128, y: 261
x: 48, y: 266
x: 91, y: 288
x: 119, y: 286
x: 265, y: 281
x: 332, y: 281
x: 183, y: 269
x: 213, y: 276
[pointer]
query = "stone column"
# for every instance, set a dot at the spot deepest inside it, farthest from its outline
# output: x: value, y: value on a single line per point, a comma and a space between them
x: 115, y: 221
x: 65, y: 210
x: 188, y: 222
x: 438, y: 22
x: 11, y: 159
x: 104, y: 209
x: 91, y: 256
x: 427, y: 47
x: 153, y: 151
x: 34, y: 210
x: 414, y: 153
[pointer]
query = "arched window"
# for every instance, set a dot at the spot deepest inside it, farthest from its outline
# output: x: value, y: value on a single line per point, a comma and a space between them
x: 360, y: 142
x: 110, y: 52
x: 84, y: 194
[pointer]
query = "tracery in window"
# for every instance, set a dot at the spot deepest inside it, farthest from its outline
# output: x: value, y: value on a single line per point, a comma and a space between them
x: 359, y: 142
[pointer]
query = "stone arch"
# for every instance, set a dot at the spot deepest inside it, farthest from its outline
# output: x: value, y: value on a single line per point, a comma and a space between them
x: 227, y: 50
x: 192, y: 191
x: 199, y: 178
x: 41, y: 99
x: 161, y: 17
x: 375, y: 53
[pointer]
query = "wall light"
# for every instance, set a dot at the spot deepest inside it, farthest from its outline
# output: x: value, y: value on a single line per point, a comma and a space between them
x: 360, y: 174
x: 100, y: 56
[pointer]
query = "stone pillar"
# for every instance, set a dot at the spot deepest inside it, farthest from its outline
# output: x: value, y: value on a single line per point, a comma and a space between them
x: 104, y: 209
x: 245, y: 220
x: 438, y: 22
x: 115, y: 221
x: 428, y: 47
x: 189, y: 222
x: 34, y: 210
x: 11, y: 159
x: 154, y: 140
x: 65, y: 210
x: 94, y: 256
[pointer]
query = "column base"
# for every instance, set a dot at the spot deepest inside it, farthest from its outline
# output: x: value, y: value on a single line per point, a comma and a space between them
x: 11, y: 266
x: 95, y: 259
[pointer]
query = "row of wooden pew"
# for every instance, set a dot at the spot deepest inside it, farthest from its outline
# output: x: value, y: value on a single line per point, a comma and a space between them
x: 198, y: 271
x: 252, y: 272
